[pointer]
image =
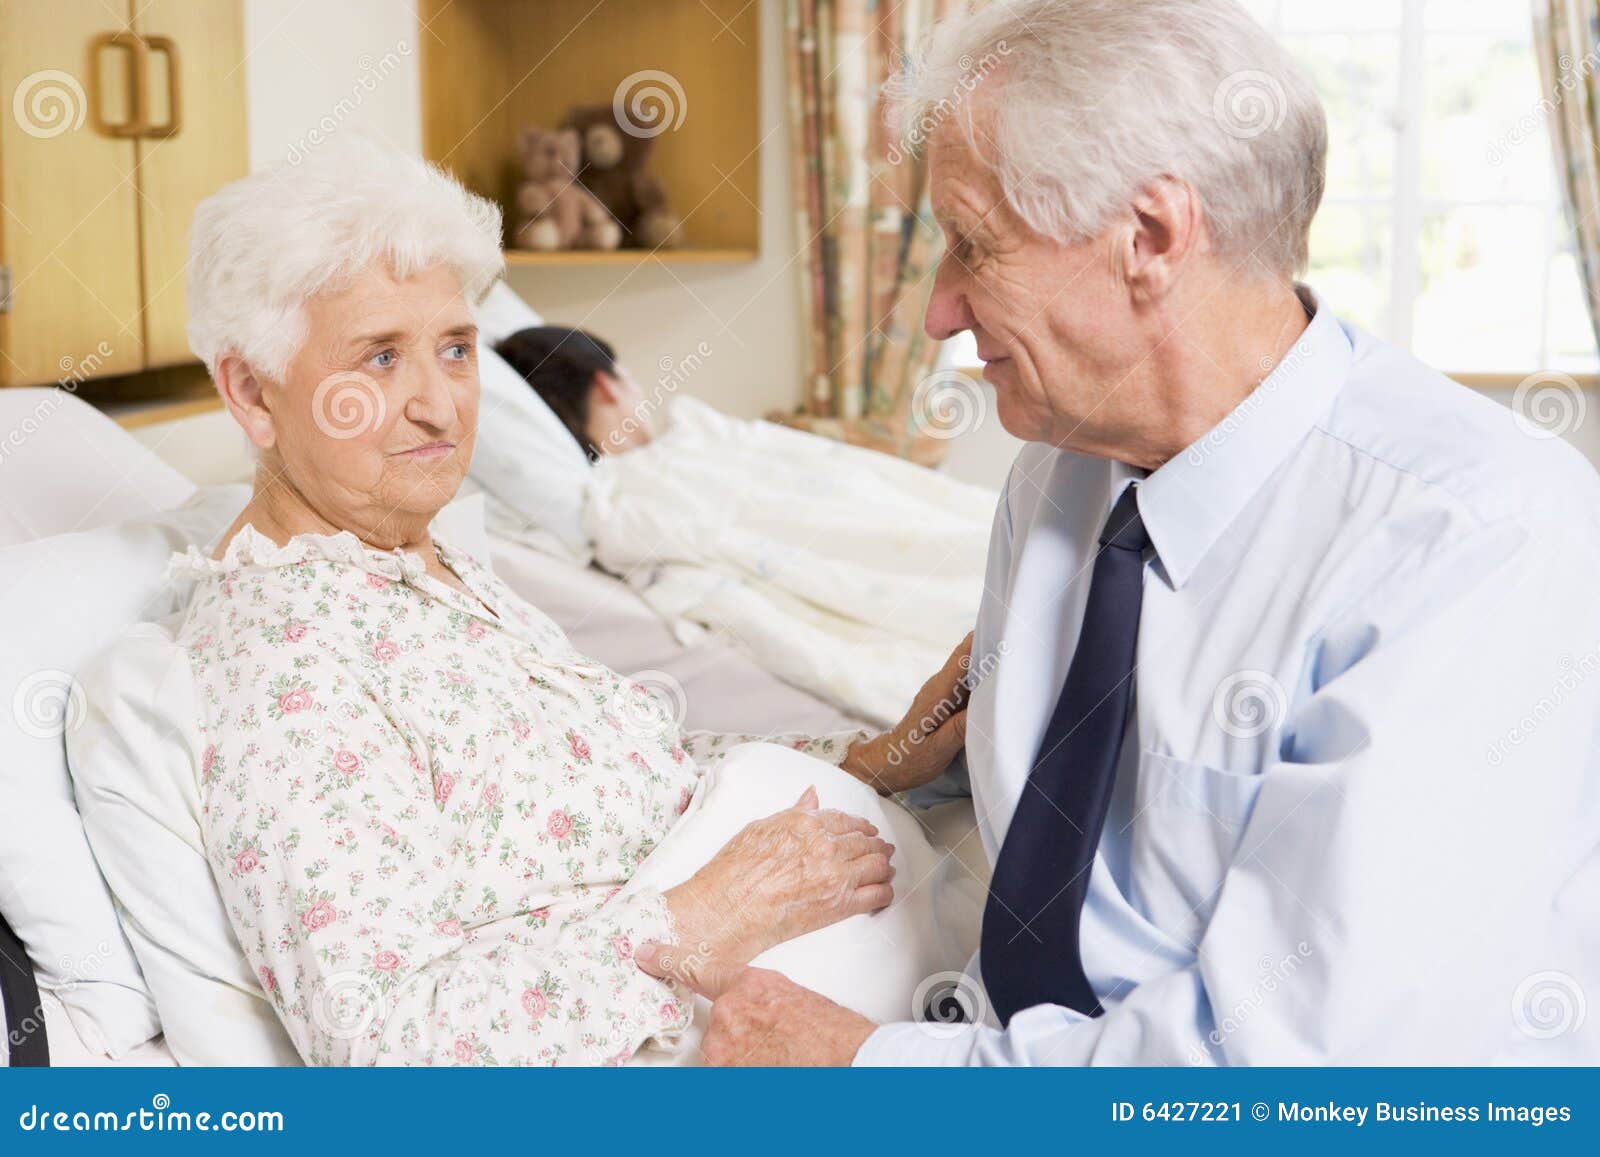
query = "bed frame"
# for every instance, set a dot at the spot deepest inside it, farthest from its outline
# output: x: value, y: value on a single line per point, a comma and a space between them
x: 24, y: 1013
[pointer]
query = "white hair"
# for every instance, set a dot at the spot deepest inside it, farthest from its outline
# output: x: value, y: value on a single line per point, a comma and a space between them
x: 1090, y: 100
x: 265, y: 243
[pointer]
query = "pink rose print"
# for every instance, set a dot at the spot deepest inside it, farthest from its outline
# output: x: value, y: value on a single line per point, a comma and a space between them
x: 623, y: 947
x: 638, y: 761
x: 448, y: 928
x: 319, y: 915
x: 677, y: 754
x: 491, y: 795
x: 291, y: 701
x: 475, y: 630
x: 539, y: 916
x: 386, y: 961
x: 534, y: 1003
x: 442, y: 787
x: 294, y: 632
x: 246, y: 862
x: 269, y: 979
x: 208, y: 759
x: 464, y: 1051
x: 580, y: 747
x: 684, y: 796
x: 346, y: 761
x: 559, y: 824
x: 668, y: 1011
x: 386, y: 650
x: 376, y: 581
x: 520, y: 730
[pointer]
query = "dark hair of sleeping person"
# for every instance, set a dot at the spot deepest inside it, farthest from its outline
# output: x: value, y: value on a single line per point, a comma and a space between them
x: 561, y: 364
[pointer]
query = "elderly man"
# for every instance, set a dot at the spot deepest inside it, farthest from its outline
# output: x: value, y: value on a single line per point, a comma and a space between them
x: 1291, y: 751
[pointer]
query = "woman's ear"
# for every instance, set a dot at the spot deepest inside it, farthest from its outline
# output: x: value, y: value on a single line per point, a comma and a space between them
x: 246, y: 399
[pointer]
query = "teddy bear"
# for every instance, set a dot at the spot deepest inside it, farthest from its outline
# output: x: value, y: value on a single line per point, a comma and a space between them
x: 554, y: 210
x: 613, y: 169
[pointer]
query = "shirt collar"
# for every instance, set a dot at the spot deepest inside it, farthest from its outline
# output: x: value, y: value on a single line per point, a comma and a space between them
x: 1192, y: 499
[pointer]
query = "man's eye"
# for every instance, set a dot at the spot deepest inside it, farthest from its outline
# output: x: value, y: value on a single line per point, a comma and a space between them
x: 459, y: 351
x: 385, y: 359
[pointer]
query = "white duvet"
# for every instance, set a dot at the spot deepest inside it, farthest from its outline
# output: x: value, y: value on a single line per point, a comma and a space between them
x: 885, y: 965
x: 843, y: 571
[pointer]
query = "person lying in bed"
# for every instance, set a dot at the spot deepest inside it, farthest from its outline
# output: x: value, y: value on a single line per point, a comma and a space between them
x: 411, y: 784
x: 580, y: 379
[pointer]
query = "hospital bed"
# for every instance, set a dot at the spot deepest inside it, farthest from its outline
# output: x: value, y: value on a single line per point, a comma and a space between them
x: 74, y: 471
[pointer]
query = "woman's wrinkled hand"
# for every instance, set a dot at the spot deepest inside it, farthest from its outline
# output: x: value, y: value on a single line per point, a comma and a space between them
x: 791, y: 873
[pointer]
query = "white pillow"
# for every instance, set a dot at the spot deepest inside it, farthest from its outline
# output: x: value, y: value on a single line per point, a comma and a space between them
x: 525, y: 458
x: 63, y: 599
x: 135, y: 760
x: 885, y: 965
x: 65, y: 466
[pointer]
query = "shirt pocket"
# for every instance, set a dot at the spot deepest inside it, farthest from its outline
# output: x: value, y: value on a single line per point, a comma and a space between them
x: 1190, y: 819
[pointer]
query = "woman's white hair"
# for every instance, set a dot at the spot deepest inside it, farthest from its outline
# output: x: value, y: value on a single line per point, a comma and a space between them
x: 265, y: 243
x: 1083, y: 102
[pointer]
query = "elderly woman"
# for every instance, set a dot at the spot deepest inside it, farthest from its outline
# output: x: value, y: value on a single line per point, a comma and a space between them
x: 408, y: 771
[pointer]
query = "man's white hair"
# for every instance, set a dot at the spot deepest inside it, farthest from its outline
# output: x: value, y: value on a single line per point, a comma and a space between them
x: 265, y: 243
x: 1081, y: 103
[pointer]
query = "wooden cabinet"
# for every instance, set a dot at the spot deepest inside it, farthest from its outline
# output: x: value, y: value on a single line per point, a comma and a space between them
x: 119, y: 117
x: 491, y: 68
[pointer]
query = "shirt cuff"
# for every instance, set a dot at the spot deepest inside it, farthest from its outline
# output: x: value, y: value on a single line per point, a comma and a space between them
x: 909, y: 1045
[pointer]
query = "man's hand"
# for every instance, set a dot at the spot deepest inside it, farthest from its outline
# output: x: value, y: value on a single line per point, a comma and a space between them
x: 760, y: 1017
x: 922, y: 745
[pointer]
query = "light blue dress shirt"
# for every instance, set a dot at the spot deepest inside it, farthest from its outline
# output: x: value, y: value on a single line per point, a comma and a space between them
x: 1357, y: 815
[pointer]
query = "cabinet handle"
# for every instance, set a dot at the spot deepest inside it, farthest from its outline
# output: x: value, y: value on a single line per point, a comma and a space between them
x: 135, y: 125
x: 166, y: 46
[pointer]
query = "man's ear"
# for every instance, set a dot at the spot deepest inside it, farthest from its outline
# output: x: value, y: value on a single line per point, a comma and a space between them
x: 1167, y: 227
x: 605, y: 388
x: 245, y: 398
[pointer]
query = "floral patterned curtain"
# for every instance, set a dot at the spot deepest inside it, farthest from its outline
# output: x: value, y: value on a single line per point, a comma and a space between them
x: 1567, y: 38
x: 869, y: 244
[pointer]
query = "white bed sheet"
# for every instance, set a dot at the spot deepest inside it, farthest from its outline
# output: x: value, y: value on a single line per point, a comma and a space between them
x: 721, y: 688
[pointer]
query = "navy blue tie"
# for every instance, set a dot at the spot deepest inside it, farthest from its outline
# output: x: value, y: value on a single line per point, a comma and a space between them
x: 1030, y: 951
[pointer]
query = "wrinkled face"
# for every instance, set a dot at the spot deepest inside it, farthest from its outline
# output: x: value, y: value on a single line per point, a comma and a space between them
x: 375, y: 418
x: 1052, y: 323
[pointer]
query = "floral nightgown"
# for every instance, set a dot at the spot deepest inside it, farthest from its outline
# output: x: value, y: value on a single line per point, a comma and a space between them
x: 421, y: 814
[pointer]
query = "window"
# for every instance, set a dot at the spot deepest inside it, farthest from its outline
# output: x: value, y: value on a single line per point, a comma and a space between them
x: 1443, y: 229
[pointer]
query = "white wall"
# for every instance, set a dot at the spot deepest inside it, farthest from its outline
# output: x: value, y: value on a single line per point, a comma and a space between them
x: 316, y: 64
